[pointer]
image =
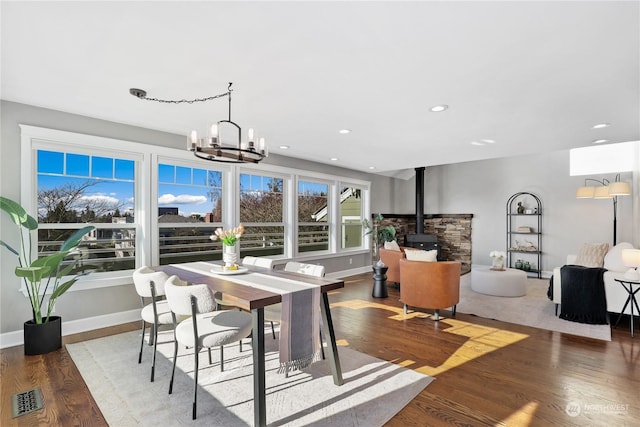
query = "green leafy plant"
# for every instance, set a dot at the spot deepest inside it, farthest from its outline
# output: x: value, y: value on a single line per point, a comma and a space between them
x: 380, y: 234
x: 47, y: 271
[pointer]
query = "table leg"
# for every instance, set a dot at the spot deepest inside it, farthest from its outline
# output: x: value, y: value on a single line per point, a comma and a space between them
x: 624, y: 306
x: 257, y: 341
x: 329, y: 333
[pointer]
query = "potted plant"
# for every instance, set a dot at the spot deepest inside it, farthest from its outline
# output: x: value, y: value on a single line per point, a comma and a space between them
x: 378, y: 234
x: 43, y: 333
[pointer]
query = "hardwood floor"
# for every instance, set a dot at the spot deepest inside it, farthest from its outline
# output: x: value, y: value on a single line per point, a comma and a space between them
x: 488, y: 373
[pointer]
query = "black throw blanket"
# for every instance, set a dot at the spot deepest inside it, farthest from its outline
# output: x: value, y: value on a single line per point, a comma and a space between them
x: 583, y: 296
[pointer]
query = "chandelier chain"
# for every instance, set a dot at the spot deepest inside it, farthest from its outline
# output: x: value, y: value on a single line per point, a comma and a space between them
x: 185, y: 101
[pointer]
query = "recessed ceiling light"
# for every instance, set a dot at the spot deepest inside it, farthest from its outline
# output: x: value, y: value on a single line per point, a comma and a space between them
x: 600, y: 141
x: 284, y: 147
x: 601, y: 125
x: 477, y: 143
x: 334, y: 159
x: 344, y: 131
x: 488, y: 141
x: 372, y: 167
x: 438, y: 108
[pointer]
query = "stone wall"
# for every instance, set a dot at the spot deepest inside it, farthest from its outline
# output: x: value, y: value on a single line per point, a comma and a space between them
x: 453, y: 232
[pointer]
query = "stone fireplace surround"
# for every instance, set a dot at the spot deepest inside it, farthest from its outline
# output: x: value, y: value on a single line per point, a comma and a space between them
x: 453, y: 232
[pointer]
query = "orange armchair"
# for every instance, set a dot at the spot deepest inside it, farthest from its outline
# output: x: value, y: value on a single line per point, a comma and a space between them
x: 392, y: 260
x: 430, y: 285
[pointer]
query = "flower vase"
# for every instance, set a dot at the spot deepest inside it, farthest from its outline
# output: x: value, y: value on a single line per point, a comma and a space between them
x: 229, y: 255
x: 497, y: 264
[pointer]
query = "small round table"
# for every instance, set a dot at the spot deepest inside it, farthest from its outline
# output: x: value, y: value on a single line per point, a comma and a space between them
x: 628, y: 284
x: 509, y: 282
x: 380, y: 282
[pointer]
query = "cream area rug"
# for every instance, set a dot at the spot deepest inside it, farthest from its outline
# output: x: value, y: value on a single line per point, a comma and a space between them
x: 372, y: 393
x: 533, y: 309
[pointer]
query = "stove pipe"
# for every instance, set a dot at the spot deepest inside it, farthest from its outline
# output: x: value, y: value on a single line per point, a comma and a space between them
x: 420, y: 200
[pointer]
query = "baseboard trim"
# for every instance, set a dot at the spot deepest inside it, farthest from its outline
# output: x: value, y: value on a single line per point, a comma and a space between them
x: 11, y: 339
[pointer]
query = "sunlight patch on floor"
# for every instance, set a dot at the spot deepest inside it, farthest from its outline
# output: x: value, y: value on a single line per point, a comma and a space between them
x: 523, y: 416
x: 481, y: 339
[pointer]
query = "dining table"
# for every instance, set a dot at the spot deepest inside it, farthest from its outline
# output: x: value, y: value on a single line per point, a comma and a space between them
x: 254, y: 299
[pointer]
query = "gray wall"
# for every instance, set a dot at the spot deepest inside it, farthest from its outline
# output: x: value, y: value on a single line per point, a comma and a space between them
x: 14, y: 307
x: 482, y: 188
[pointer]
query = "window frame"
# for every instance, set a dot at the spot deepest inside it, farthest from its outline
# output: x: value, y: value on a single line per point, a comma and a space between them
x: 147, y: 157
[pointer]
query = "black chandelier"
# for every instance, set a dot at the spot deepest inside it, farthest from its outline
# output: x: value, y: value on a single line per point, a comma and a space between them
x: 211, y: 147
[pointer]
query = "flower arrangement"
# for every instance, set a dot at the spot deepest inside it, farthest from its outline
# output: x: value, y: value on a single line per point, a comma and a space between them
x: 498, y: 260
x: 228, y: 237
x: 497, y: 254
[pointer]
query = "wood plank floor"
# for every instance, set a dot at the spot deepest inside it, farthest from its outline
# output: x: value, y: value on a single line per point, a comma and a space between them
x: 488, y: 373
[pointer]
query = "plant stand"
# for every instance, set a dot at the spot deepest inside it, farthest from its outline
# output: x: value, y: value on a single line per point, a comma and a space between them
x: 42, y: 338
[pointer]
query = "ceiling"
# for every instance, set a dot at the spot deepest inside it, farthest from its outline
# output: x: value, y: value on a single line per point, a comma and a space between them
x: 530, y: 76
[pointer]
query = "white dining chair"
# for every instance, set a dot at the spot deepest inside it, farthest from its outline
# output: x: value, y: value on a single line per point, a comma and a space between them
x: 206, y: 328
x: 150, y: 284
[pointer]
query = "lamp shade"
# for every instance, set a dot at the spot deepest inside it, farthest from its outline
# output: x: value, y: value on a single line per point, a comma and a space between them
x: 585, y: 192
x: 631, y: 258
x: 602, y: 192
x: 619, y: 189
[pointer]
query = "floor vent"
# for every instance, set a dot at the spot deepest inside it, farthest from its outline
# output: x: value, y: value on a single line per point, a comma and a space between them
x: 26, y: 402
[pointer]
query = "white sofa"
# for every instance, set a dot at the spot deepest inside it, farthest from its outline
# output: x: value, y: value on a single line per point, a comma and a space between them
x: 616, y: 294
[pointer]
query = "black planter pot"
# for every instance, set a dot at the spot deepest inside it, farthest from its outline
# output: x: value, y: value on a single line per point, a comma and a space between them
x: 42, y: 338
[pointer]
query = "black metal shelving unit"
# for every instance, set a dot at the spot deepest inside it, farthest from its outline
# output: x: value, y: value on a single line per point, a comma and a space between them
x: 531, y: 251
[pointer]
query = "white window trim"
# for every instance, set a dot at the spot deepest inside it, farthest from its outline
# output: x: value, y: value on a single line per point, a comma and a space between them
x: 147, y: 157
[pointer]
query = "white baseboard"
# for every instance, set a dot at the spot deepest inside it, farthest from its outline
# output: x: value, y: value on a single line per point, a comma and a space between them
x: 10, y: 339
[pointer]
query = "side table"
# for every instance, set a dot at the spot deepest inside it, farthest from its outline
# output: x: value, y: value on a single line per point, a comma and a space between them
x: 380, y: 282
x: 631, y: 299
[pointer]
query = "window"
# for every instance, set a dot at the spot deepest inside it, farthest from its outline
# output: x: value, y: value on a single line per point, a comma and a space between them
x: 154, y: 205
x: 75, y: 189
x: 350, y: 217
x: 313, y: 216
x: 189, y: 209
x: 262, y: 213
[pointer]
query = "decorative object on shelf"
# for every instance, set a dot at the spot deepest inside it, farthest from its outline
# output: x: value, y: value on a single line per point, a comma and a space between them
x: 519, y: 264
x: 520, y: 209
x: 524, y: 229
x: 526, y: 266
x: 229, y: 239
x: 212, y: 147
x: 497, y: 260
x: 43, y: 332
x: 527, y: 246
x: 631, y: 258
x: 378, y: 234
x: 605, y: 190
x: 528, y: 211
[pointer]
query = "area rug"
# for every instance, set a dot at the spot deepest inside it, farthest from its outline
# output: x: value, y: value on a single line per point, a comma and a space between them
x: 373, y: 391
x: 533, y: 309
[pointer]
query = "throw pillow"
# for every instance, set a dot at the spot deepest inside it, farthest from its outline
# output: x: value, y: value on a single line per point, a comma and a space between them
x: 613, y: 258
x: 418, y: 255
x: 592, y: 254
x: 392, y: 246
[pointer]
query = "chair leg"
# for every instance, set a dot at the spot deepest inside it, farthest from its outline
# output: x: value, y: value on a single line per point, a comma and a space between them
x: 240, y: 346
x: 557, y: 309
x: 155, y: 347
x: 405, y: 309
x: 273, y: 331
x: 152, y: 333
x: 141, y: 343
x: 195, y: 382
x: 454, y: 310
x: 209, y: 349
x: 175, y: 360
x: 321, y: 346
x: 436, y: 315
x: 221, y: 358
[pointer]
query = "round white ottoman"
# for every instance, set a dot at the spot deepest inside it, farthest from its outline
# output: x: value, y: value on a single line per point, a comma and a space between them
x: 507, y: 283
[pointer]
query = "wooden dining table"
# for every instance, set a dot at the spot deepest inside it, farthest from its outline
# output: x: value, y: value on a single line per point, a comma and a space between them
x: 254, y: 300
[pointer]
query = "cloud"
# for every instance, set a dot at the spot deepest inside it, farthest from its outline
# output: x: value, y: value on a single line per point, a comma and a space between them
x: 100, y: 198
x: 182, y: 199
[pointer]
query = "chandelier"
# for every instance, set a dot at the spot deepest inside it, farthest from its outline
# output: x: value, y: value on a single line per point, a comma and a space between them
x: 212, y: 147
